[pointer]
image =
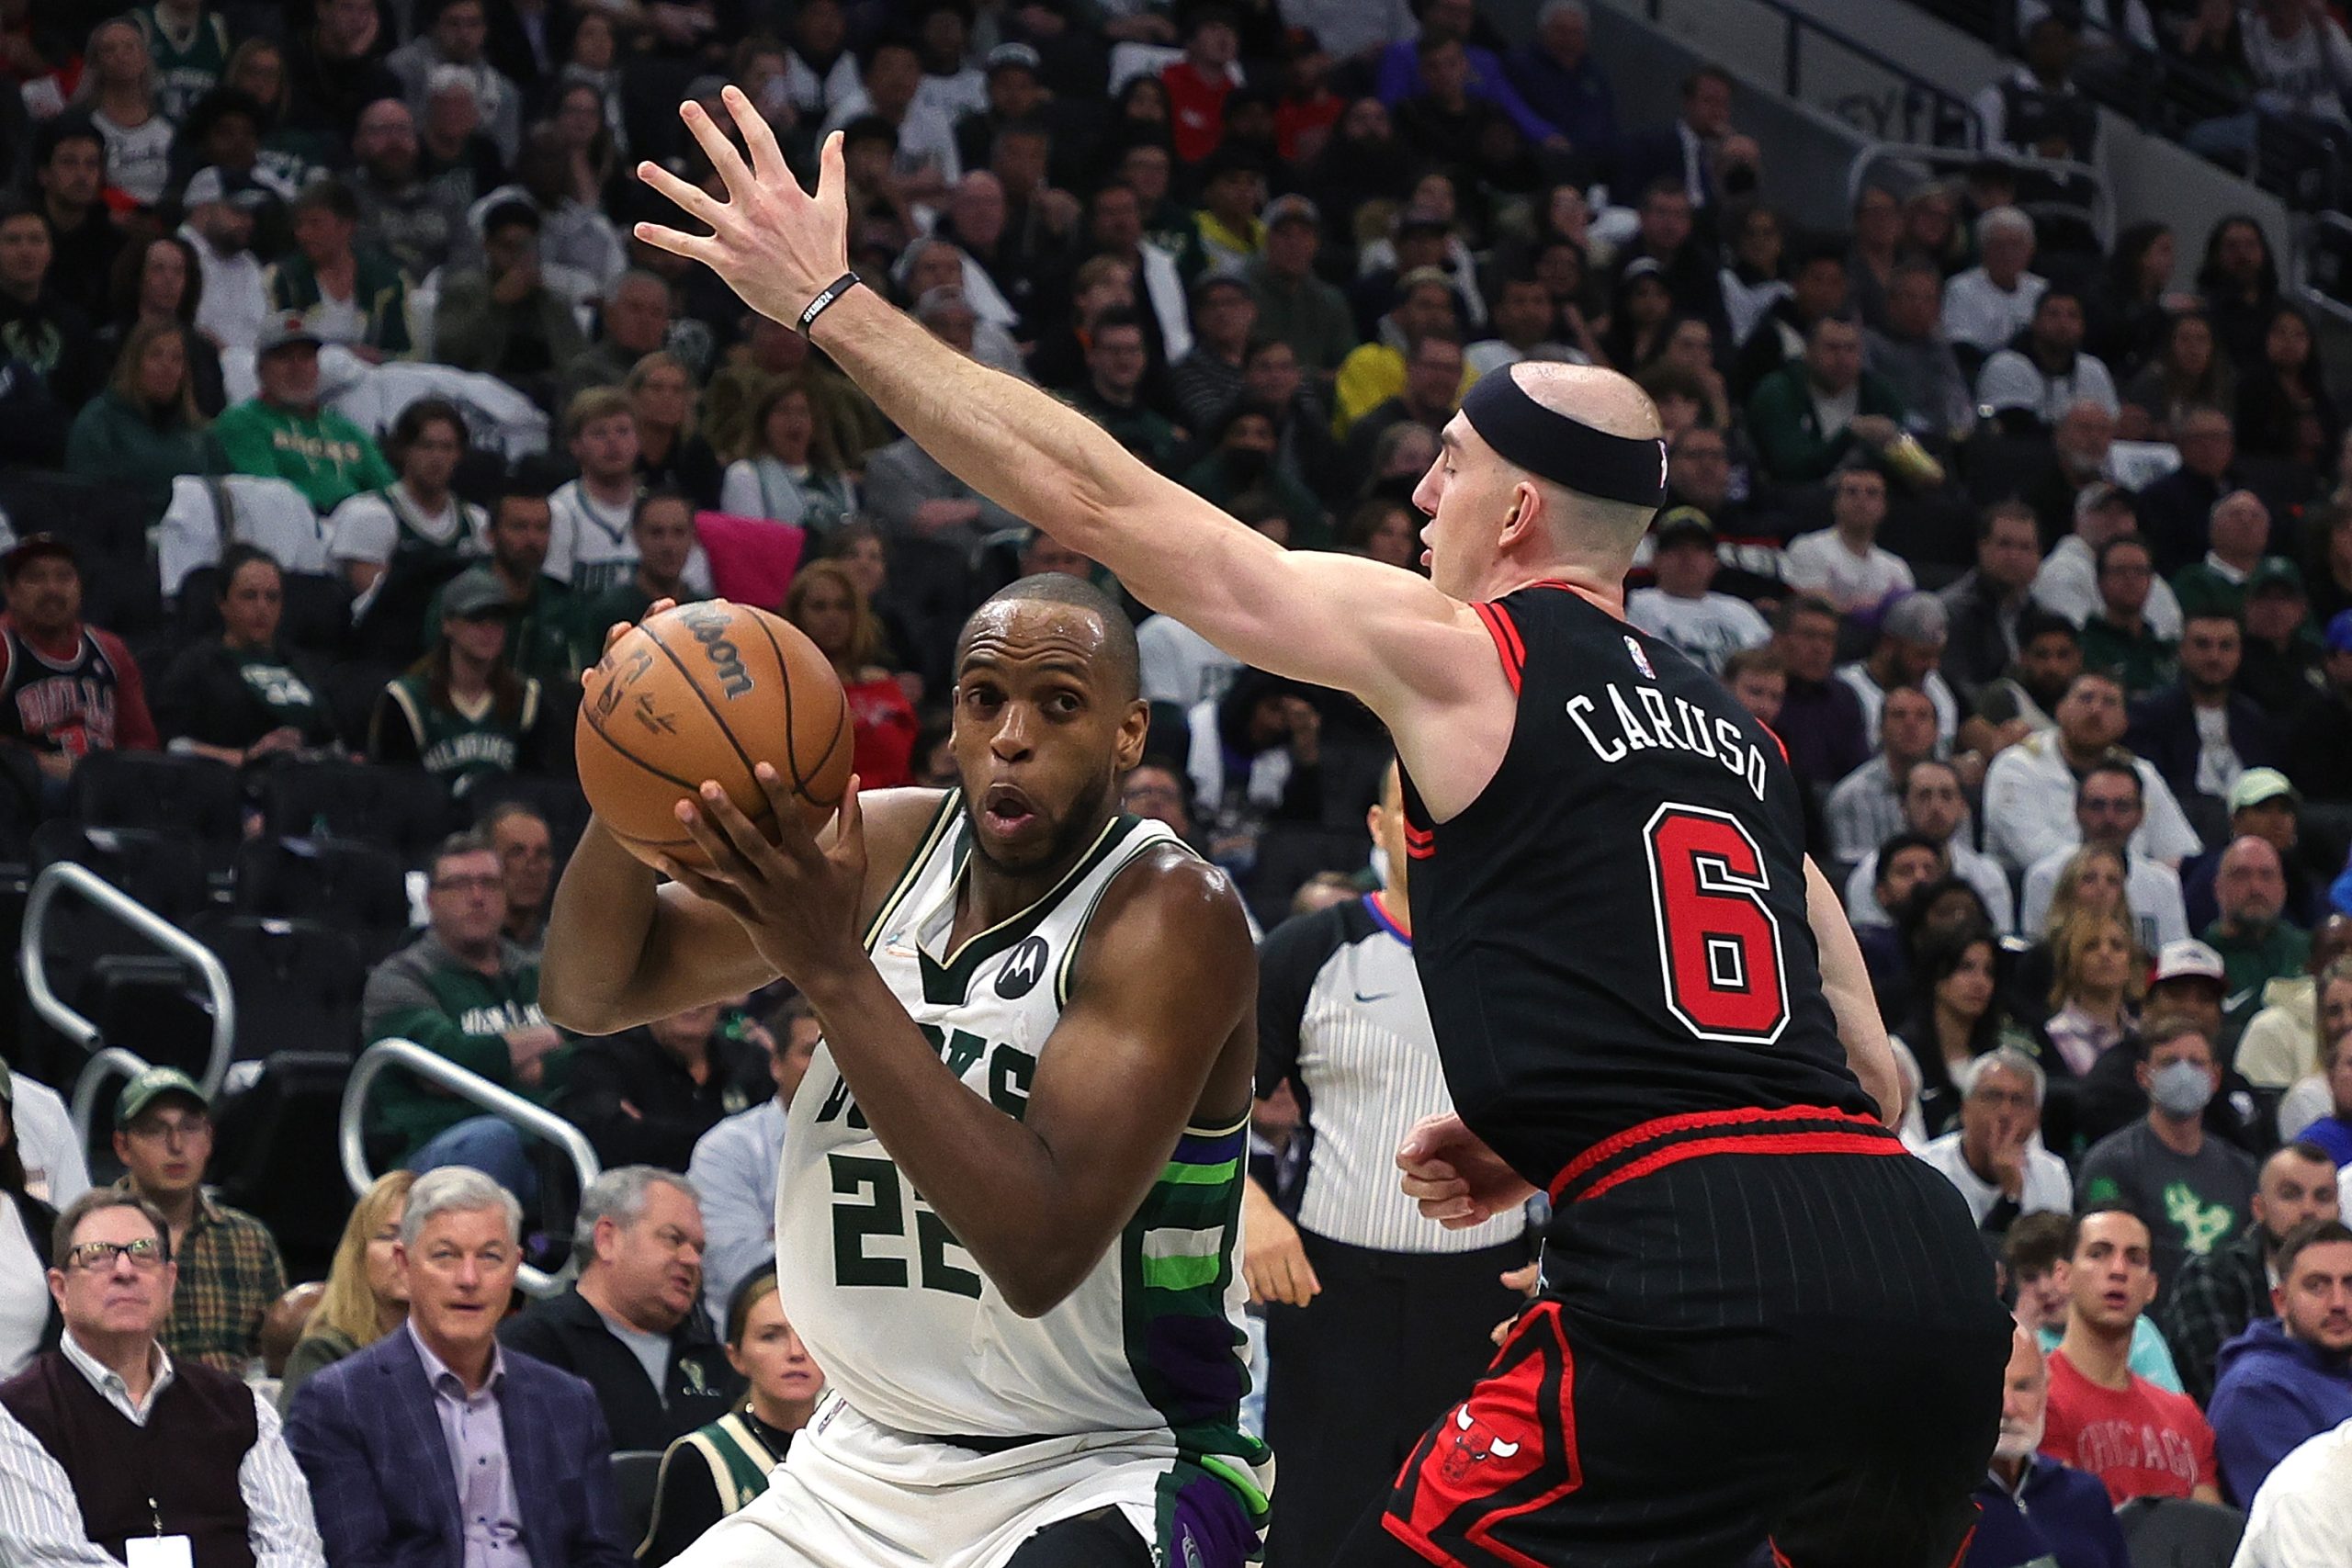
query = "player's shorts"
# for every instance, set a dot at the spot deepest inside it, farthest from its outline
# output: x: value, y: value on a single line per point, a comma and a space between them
x: 854, y: 1494
x: 1755, y: 1326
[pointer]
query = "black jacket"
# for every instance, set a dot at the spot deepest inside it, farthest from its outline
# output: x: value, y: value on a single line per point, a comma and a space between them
x: 565, y: 1331
x: 2164, y: 731
x: 671, y: 1110
x: 1976, y: 652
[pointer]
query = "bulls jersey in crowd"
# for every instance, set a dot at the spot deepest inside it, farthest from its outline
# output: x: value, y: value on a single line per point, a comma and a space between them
x: 69, y: 689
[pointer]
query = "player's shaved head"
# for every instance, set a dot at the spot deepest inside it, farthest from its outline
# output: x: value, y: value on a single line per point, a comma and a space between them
x: 1116, y: 658
x: 1612, y: 404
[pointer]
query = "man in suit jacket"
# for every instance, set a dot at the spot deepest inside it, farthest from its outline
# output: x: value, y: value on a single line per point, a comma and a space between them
x: 2169, y: 725
x: 385, y: 1436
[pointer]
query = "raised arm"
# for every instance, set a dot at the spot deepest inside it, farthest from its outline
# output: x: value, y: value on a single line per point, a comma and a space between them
x: 1386, y: 636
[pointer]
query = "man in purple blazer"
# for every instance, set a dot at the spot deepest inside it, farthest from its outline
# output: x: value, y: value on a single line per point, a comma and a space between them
x: 433, y: 1447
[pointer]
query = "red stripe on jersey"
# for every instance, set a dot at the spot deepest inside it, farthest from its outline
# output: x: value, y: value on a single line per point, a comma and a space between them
x: 1421, y: 851
x: 1776, y: 738
x: 1499, y: 627
x: 1749, y: 1143
x: 1664, y: 1127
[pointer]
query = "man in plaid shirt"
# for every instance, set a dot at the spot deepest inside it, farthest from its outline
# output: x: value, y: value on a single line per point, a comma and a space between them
x: 2217, y: 1295
x: 230, y: 1270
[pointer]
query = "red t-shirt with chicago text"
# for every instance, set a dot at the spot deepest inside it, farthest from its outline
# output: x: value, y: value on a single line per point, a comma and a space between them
x: 2143, y: 1442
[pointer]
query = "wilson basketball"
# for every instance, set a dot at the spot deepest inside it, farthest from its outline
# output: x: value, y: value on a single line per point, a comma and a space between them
x: 708, y: 690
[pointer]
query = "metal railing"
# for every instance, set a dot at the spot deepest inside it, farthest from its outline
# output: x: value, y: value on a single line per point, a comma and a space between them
x: 466, y: 1085
x: 2101, y: 211
x: 1950, y: 118
x: 108, y: 1060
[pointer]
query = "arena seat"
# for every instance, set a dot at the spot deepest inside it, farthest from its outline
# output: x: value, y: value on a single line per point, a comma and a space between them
x: 2173, y: 1532
x: 353, y: 886
x: 402, y: 809
x: 164, y: 791
x: 635, y: 1471
x: 557, y: 798
x: 20, y: 810
x: 152, y: 1002
x: 274, y: 1153
x: 106, y: 525
x: 298, y: 981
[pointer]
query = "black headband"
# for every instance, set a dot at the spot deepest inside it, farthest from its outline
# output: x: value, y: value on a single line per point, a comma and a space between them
x: 1564, y: 450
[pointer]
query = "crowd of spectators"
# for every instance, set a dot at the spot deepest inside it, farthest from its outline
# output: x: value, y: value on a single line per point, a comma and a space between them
x: 2040, y: 567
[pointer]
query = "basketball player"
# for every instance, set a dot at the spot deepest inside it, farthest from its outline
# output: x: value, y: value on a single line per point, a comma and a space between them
x: 1008, y: 1211
x: 1759, y: 1320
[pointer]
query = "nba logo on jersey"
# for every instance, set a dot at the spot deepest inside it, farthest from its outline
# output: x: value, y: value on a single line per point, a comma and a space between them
x: 1641, y: 659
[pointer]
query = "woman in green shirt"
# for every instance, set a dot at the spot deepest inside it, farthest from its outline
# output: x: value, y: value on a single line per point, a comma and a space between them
x: 710, y: 1472
x: 144, y: 429
x: 367, y: 1297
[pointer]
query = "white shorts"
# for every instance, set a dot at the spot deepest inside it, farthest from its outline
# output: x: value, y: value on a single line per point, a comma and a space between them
x: 854, y: 1494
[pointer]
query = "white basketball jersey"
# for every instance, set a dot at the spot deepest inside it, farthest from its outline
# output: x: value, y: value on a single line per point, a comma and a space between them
x: 896, y: 1313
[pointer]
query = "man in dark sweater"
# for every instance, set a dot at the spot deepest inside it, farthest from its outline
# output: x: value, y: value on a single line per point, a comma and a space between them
x: 69, y: 164
x: 647, y: 1095
x: 632, y: 1323
x: 107, y: 1437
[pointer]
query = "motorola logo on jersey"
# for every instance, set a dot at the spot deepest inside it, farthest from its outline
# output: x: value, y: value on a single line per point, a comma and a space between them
x: 1022, y: 970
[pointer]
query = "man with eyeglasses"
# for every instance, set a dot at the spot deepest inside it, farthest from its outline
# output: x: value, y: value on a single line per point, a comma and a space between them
x: 526, y: 854
x: 111, y: 1447
x: 226, y: 1262
x: 467, y: 992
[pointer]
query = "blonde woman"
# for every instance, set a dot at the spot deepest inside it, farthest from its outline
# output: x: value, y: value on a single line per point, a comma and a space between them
x: 2096, y: 983
x: 795, y: 472
x: 710, y: 1472
x: 367, y: 1297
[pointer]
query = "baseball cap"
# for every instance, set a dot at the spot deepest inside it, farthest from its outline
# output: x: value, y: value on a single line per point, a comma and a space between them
x: 2275, y: 571
x: 2188, y: 960
x: 1284, y: 208
x: 212, y: 184
x: 145, y: 1088
x: 474, y: 594
x: 2258, y: 784
x: 284, y: 331
x: 2338, y: 636
x: 30, y: 549
x: 1019, y: 56
x: 1678, y: 524
x: 1209, y: 282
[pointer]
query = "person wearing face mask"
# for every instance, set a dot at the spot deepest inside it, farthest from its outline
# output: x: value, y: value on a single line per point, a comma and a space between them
x: 2194, y: 1191
x: 2035, y: 1510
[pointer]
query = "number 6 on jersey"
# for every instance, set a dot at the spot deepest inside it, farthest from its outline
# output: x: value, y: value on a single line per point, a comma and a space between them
x: 1718, y: 942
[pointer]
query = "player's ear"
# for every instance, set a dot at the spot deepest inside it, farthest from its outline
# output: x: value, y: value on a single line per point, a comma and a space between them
x: 1134, y: 729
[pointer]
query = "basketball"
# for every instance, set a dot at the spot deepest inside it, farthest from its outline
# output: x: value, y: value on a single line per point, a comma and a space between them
x: 708, y: 690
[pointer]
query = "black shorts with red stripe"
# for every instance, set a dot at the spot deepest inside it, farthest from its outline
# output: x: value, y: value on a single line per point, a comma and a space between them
x: 1759, y: 1331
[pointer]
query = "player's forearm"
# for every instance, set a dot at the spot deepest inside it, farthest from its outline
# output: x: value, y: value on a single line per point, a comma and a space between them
x: 1846, y: 982
x: 1039, y: 459
x: 597, y: 928
x: 991, y: 1179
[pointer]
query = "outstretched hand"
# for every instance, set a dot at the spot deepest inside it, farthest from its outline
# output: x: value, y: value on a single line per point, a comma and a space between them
x: 797, y: 899
x: 776, y: 245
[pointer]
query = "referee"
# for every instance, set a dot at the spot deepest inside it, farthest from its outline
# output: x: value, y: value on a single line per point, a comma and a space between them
x: 1376, y: 1318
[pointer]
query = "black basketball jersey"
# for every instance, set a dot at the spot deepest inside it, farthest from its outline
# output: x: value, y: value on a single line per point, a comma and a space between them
x: 65, y: 705
x: 1615, y: 930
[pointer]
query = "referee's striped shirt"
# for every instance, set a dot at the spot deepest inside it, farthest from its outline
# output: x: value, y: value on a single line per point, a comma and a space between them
x: 1340, y: 1015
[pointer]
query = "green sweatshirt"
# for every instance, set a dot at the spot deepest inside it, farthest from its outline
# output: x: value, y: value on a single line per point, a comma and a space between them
x: 321, y: 454
x: 424, y: 993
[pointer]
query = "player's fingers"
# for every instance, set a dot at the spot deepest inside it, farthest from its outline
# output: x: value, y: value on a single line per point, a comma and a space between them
x: 849, y: 831
x: 691, y: 199
x: 659, y: 605
x: 617, y: 631
x: 727, y: 862
x: 792, y: 835
x: 832, y: 176
x: 767, y: 158
x: 732, y: 173
x: 758, y: 852
x: 694, y: 247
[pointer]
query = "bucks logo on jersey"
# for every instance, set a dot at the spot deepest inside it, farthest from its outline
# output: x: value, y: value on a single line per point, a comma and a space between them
x: 904, y: 1323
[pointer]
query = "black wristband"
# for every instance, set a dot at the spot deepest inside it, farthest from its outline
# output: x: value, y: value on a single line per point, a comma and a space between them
x: 825, y: 298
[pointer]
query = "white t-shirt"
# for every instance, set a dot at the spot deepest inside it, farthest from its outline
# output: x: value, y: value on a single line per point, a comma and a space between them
x: 1978, y: 313
x: 364, y: 528
x: 24, y: 1291
x: 2067, y: 585
x: 2151, y: 888
x: 1979, y: 871
x: 1710, y: 629
x: 1180, y: 665
x: 236, y: 293
x: 2299, y: 1520
x: 2010, y: 380
x: 2048, y: 1190
x: 1947, y: 703
x: 2218, y: 763
x: 1820, y: 563
x: 55, y: 1169
x: 139, y: 158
